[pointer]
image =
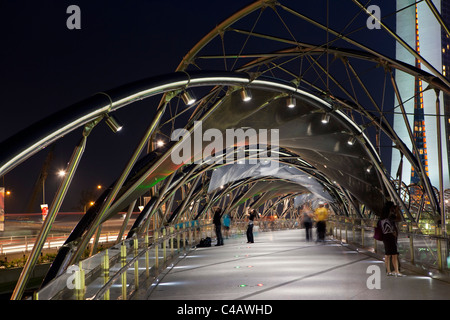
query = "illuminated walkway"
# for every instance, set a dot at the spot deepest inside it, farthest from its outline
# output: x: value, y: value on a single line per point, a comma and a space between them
x: 282, y: 265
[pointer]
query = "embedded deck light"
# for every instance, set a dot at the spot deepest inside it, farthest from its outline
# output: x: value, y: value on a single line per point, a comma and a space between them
x: 113, y: 123
x: 188, y: 97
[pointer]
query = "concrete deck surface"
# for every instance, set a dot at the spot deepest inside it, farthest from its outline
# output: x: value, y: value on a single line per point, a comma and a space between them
x: 281, y: 265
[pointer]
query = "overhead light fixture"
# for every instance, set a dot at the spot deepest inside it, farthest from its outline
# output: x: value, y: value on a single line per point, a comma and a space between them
x: 113, y: 123
x: 188, y: 97
x: 369, y: 168
x: 160, y: 143
x: 351, y: 141
x: 246, y: 95
x: 325, y: 118
x: 291, y: 102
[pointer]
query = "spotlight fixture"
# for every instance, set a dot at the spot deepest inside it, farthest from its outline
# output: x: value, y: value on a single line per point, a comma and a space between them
x: 291, y: 102
x: 113, y: 123
x: 369, y: 168
x: 246, y: 95
x: 351, y: 141
x: 159, y: 143
x: 188, y: 97
x: 325, y: 118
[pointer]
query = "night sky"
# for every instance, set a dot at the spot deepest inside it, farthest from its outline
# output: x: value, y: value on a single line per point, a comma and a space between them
x: 46, y: 67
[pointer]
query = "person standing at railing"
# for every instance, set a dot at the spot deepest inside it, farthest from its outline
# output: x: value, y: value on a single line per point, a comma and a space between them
x: 218, y: 224
x: 388, y: 219
x: 251, y: 217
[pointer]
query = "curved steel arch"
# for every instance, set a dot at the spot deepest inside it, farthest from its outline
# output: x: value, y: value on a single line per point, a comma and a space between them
x: 146, y: 173
x: 94, y: 109
x: 435, y: 79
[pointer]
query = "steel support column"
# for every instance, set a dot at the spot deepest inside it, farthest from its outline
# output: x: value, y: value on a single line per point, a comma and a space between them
x: 54, y: 209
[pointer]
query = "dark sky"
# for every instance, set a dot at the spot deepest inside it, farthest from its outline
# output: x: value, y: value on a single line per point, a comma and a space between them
x: 46, y: 67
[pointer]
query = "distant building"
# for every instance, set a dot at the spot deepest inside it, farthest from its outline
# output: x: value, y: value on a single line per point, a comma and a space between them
x: 417, y: 26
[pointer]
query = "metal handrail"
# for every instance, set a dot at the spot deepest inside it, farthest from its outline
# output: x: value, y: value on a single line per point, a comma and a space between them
x: 437, y: 245
x: 96, y: 269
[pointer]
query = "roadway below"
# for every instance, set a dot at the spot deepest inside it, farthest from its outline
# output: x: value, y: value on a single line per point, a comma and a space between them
x: 281, y: 265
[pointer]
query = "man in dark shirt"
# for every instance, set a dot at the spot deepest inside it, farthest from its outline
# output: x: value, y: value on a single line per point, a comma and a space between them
x: 218, y: 224
x: 251, y: 216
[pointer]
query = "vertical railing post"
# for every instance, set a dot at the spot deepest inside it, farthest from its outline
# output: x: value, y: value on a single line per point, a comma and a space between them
x: 439, y: 248
x: 346, y: 230
x: 362, y: 233
x: 184, y: 237
x: 147, y: 264
x: 123, y: 260
x: 105, y: 269
x: 178, y: 238
x: 136, y: 263
x: 171, y: 240
x: 156, y: 245
x: 80, y: 285
x: 411, y: 242
x: 164, y: 245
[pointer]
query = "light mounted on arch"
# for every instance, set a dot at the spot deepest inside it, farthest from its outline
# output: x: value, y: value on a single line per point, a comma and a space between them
x: 291, y: 102
x: 113, y: 123
x: 188, y: 97
x: 325, y: 118
x: 246, y: 94
x: 351, y: 141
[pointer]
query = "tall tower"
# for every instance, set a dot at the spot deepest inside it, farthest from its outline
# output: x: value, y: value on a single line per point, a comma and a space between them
x: 418, y: 27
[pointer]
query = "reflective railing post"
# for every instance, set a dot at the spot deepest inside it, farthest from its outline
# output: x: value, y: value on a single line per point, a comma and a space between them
x: 136, y: 263
x: 123, y: 260
x: 105, y: 269
x: 439, y: 248
x: 346, y: 231
x: 184, y: 237
x: 164, y: 245
x: 156, y: 245
x: 362, y: 233
x: 178, y: 239
x: 80, y: 285
x: 147, y: 264
x: 171, y: 240
x: 411, y: 242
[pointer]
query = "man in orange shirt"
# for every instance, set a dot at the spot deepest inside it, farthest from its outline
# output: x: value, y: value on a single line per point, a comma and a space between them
x: 321, y: 216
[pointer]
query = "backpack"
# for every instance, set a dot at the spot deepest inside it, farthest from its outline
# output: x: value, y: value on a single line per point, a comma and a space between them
x: 378, y: 232
x: 204, y: 243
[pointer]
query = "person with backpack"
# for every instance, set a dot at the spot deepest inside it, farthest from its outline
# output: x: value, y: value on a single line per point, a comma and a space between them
x: 389, y: 216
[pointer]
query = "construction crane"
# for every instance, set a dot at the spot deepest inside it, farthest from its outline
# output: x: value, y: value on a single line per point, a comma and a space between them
x: 40, y: 182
